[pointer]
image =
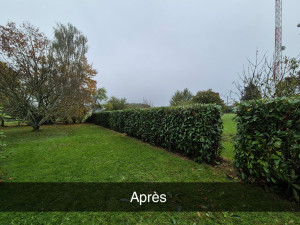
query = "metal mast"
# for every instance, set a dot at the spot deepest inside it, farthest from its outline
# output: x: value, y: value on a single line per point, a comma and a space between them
x: 278, y: 40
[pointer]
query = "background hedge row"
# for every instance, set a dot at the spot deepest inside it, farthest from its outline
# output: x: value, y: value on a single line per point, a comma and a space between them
x: 194, y: 131
x: 267, y: 142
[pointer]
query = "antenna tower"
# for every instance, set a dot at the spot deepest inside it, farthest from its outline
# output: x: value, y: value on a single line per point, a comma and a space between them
x: 278, y: 40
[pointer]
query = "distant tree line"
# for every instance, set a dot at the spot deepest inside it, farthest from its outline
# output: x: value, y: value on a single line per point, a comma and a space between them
x: 186, y: 97
x: 102, y: 102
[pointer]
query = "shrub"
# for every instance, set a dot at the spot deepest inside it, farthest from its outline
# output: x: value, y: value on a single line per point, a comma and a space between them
x: 267, y: 142
x: 194, y: 131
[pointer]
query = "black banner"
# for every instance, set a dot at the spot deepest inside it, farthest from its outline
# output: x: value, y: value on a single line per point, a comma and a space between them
x: 137, y: 197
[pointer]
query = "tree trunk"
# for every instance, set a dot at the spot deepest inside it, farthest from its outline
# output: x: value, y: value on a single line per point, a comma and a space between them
x: 35, y: 127
x: 2, y: 122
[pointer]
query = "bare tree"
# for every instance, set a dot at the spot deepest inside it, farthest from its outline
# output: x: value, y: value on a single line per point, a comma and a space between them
x: 257, y: 79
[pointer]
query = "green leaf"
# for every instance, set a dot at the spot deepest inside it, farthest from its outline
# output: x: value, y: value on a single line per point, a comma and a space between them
x: 277, y: 144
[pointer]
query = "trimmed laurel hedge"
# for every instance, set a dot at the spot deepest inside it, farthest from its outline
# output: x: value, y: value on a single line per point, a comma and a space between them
x: 194, y: 131
x: 267, y: 142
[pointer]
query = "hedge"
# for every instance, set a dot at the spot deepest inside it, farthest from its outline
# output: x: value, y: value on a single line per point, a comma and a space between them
x: 194, y: 131
x: 267, y: 142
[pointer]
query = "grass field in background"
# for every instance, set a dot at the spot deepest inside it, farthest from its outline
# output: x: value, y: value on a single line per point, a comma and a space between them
x: 229, y: 131
x: 89, y: 153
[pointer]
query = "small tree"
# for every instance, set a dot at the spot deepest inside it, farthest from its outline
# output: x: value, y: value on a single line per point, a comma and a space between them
x: 99, y: 99
x: 290, y: 86
x: 251, y: 92
x: 209, y: 96
x: 181, y: 98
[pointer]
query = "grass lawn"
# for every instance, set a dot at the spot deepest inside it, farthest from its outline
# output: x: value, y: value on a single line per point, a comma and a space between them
x: 89, y: 153
x: 228, y: 133
x: 13, y: 123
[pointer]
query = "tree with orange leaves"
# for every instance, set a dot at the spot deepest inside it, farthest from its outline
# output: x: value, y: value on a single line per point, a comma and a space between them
x: 42, y: 80
x: 69, y: 50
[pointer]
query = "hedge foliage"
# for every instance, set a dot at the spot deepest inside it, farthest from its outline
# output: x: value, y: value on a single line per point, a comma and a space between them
x: 267, y: 142
x: 194, y: 131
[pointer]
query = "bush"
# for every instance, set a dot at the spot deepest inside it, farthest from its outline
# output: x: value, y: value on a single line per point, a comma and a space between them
x: 267, y: 142
x: 194, y: 131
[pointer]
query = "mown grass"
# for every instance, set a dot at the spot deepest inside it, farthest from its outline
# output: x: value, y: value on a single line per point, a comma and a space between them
x: 229, y: 131
x: 89, y: 153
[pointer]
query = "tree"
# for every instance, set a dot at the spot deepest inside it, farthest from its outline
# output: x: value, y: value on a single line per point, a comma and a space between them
x: 27, y: 78
x: 41, y: 81
x: 207, y: 97
x: 181, y: 97
x: 69, y: 49
x: 258, y: 81
x: 99, y: 99
x: 116, y: 104
x: 251, y: 92
x: 290, y: 86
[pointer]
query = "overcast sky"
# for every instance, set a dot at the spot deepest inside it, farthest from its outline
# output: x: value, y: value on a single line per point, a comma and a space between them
x: 148, y: 49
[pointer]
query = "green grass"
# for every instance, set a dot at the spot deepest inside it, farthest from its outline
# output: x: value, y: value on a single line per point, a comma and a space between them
x: 13, y: 123
x: 228, y: 133
x: 89, y: 153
